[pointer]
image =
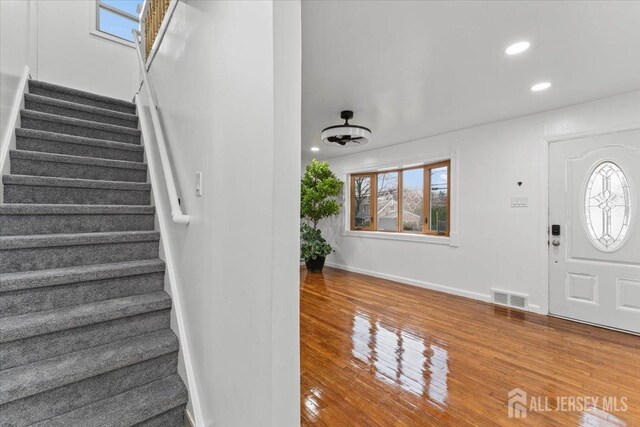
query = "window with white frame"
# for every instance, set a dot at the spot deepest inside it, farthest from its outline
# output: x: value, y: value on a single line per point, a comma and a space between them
x: 118, y: 17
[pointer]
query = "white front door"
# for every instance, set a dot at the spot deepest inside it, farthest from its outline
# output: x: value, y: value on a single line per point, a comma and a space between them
x: 594, y: 198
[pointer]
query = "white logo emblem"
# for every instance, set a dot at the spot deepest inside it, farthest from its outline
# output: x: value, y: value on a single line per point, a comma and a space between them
x: 517, y: 403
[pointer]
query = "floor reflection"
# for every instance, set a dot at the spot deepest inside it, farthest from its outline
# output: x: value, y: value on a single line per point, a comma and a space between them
x: 399, y: 357
x: 595, y: 417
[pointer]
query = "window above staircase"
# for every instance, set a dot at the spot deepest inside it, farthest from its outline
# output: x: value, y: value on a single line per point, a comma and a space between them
x: 115, y: 19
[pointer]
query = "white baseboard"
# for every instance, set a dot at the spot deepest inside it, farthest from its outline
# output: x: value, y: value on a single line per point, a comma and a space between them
x: 188, y: 418
x: 426, y: 285
x: 419, y: 283
x: 534, y: 308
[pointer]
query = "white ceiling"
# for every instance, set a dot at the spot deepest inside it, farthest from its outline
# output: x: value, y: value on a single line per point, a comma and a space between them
x: 411, y: 69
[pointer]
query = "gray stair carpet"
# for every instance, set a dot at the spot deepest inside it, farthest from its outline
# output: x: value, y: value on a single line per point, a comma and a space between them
x: 85, y: 336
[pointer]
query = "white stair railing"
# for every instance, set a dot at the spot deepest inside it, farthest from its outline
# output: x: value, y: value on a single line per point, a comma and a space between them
x: 176, y: 211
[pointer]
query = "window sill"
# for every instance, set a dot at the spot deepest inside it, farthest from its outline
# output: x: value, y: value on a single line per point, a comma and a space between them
x: 112, y: 38
x: 409, y: 237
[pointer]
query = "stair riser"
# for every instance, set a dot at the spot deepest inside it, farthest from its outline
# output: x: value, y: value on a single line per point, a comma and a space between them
x: 20, y: 225
x: 173, y: 418
x: 81, y: 100
x: 49, y: 298
x: 70, y: 129
x: 78, y: 114
x: 30, y: 259
x: 58, y: 147
x: 73, y: 170
x: 74, y: 195
x: 67, y: 398
x: 29, y: 350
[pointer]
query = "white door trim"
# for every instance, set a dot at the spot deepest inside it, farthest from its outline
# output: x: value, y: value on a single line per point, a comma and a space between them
x: 544, y: 197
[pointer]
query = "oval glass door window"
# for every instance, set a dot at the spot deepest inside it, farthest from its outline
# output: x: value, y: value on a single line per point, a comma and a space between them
x: 607, y: 207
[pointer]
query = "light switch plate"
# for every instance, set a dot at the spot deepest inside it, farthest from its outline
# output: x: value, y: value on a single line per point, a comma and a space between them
x: 519, y: 202
x: 198, y: 184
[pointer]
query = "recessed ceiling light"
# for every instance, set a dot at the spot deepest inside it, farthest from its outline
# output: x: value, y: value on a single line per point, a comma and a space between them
x: 540, y: 86
x: 315, y: 149
x: 516, y: 48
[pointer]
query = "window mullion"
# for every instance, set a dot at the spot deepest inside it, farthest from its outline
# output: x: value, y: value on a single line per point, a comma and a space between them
x: 426, y: 201
x: 352, y: 203
x: 374, y: 201
x: 448, y: 197
x: 400, y: 207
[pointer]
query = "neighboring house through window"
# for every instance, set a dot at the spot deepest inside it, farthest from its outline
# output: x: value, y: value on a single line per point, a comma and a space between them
x: 118, y: 17
x: 411, y: 200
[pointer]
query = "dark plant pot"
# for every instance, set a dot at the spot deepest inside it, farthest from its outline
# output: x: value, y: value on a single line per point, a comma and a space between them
x: 315, y: 265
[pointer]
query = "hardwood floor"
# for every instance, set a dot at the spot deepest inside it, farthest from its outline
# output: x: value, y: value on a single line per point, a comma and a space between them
x: 379, y: 353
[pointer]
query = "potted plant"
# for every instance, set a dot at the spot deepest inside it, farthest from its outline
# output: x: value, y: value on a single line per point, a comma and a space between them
x: 318, y: 199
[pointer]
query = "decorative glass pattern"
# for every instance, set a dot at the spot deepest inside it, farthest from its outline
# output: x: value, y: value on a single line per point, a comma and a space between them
x: 607, y: 206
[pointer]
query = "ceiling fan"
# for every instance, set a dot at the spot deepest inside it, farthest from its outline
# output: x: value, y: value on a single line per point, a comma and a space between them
x: 346, y: 134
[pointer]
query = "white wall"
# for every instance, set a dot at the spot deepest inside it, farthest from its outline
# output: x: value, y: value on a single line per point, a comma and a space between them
x: 499, y: 246
x: 17, y: 47
x: 285, y: 389
x: 227, y: 80
x: 54, y: 37
x: 69, y: 55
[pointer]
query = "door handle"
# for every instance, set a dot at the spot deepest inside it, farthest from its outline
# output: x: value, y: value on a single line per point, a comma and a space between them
x: 555, y: 242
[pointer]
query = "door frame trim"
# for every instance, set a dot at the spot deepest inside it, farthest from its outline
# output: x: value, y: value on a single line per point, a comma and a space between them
x: 545, y: 144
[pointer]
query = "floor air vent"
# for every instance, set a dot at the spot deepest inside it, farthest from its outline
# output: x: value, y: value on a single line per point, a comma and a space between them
x: 509, y: 299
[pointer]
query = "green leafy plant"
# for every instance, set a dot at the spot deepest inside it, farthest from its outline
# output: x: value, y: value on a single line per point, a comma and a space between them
x: 319, y: 190
x: 313, y: 245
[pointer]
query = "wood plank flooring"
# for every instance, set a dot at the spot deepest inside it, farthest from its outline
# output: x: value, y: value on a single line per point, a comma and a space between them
x: 379, y: 353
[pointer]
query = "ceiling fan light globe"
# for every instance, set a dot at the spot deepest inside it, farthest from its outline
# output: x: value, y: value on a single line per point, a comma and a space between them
x: 349, y: 135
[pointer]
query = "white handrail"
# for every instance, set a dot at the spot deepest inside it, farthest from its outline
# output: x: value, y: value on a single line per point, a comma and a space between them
x: 176, y: 212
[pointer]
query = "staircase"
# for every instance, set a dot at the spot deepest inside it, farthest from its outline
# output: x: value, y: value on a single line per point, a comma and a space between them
x: 84, y: 319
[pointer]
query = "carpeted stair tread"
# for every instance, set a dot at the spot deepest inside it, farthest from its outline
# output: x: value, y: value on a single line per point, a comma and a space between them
x: 51, y: 403
x: 35, y: 163
x: 71, y: 126
x: 63, y: 92
x: 78, y: 122
x: 45, y: 181
x: 27, y: 380
x: 63, y: 276
x: 33, y: 349
x: 78, y: 160
x: 44, y: 322
x: 45, y: 209
x: 130, y: 408
x: 73, y: 239
x: 46, y: 104
x: 32, y: 139
x: 29, y: 189
x: 30, y: 219
x: 174, y: 417
x: 49, y: 251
